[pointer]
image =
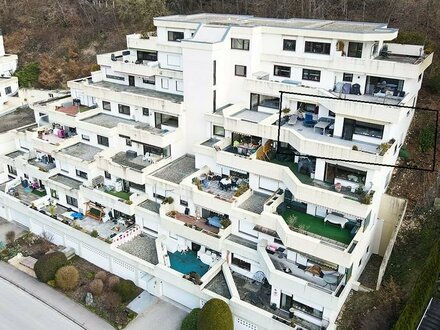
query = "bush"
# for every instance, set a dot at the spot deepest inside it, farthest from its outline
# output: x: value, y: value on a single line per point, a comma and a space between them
x: 112, y: 281
x: 96, y: 286
x: 225, y: 222
x: 94, y: 233
x: 10, y: 237
x: 215, y: 315
x: 90, y: 275
x: 126, y: 289
x: 67, y: 278
x: 422, y: 292
x: 46, y: 267
x: 404, y: 154
x: 190, y: 321
x: 101, y: 275
x: 28, y: 75
x: 112, y: 300
x: 427, y: 138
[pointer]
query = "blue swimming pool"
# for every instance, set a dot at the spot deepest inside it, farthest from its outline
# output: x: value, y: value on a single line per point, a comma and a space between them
x: 187, y: 262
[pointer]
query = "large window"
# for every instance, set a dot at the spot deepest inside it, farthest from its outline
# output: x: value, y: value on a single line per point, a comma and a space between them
x: 71, y: 201
x: 110, y: 76
x: 102, y: 140
x: 106, y: 106
x: 146, y: 56
x: 124, y: 109
x: 54, y: 194
x: 345, y: 173
x: 281, y: 71
x: 149, y: 80
x: 12, y: 170
x: 81, y: 174
x: 218, y: 130
x: 369, y: 129
x: 164, y: 119
x: 175, y: 36
x: 313, y: 75
x: 242, y: 44
x: 289, y: 45
x: 241, y: 263
x: 355, y: 49
x: 317, y: 47
x: 240, y: 70
x: 347, y: 77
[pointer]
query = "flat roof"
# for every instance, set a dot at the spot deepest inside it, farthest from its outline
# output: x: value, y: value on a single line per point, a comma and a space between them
x: 20, y: 117
x: 15, y: 154
x: 255, y: 203
x: 82, y: 151
x: 107, y: 121
x: 177, y: 170
x: 141, y: 91
x: 290, y: 23
x: 67, y: 181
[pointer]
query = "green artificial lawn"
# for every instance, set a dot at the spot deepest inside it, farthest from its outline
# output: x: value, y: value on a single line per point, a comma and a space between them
x: 83, y: 108
x: 317, y: 226
x: 304, y: 178
x: 120, y: 194
x: 39, y: 193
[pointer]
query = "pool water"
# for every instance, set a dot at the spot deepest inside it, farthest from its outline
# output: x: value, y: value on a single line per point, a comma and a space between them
x: 186, y: 263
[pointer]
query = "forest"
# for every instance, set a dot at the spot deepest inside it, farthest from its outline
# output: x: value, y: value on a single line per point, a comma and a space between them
x: 57, y: 40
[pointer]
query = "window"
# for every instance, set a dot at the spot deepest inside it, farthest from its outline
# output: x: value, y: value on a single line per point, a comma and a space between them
x: 149, y: 80
x: 281, y: 71
x: 164, y: 119
x: 54, y: 194
x: 214, y: 73
x: 72, y: 201
x: 345, y: 173
x: 242, y: 44
x: 102, y: 140
x: 8, y: 90
x: 128, y: 142
x: 331, y: 114
x: 241, y: 263
x: 124, y: 109
x: 12, y: 170
x: 81, y: 174
x: 109, y: 76
x: 164, y: 83
x: 369, y: 129
x: 85, y: 137
x: 240, y: 70
x: 146, y: 56
x: 175, y: 36
x: 179, y: 85
x: 355, y: 49
x: 289, y: 45
x: 214, y: 101
x: 183, y: 202
x: 106, y: 106
x: 347, y: 77
x: 312, y: 75
x: 218, y: 130
x: 317, y: 47
x: 107, y: 175
x: 146, y: 111
x: 137, y: 186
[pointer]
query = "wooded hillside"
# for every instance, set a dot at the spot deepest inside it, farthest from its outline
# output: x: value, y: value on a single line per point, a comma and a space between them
x: 63, y: 36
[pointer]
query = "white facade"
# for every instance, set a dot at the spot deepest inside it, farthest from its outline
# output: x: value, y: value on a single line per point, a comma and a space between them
x: 175, y: 113
x: 8, y: 84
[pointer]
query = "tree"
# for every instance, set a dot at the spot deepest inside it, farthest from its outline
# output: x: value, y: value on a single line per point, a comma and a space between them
x: 46, y: 267
x: 190, y: 321
x: 215, y: 315
x: 28, y: 75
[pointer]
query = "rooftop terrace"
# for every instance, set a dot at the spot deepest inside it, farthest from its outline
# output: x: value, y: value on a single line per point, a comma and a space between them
x: 82, y: 151
x: 150, y: 205
x: 140, y: 91
x: 15, y: 154
x: 18, y: 118
x: 177, y: 170
x: 137, y: 163
x: 107, y: 121
x: 255, y: 203
x: 252, y: 116
x: 143, y: 247
x: 67, y: 181
x: 218, y: 285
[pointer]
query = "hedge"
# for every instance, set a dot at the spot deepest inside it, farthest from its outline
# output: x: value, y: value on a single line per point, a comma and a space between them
x: 126, y: 289
x: 215, y: 315
x: 46, y: 267
x: 421, y: 293
x: 190, y: 321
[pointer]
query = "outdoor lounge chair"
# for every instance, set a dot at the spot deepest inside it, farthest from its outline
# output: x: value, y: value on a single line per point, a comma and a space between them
x: 292, y: 120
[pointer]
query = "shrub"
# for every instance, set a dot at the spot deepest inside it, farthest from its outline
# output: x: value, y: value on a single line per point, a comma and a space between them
x: 10, y: 237
x: 126, y: 289
x: 28, y: 75
x: 404, y: 154
x: 94, y: 233
x: 101, y: 275
x: 215, y: 315
x: 51, y: 283
x: 427, y: 138
x: 46, y: 267
x: 112, y: 281
x: 67, y: 278
x: 225, y: 222
x: 96, y: 286
x: 190, y: 321
x: 112, y: 300
x: 90, y: 275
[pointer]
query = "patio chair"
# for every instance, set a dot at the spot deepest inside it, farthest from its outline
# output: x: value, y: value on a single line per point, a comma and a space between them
x: 292, y: 120
x: 308, y: 120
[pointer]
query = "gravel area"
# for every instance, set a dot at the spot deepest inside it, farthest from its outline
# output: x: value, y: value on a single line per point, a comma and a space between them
x: 218, y: 285
x: 18, y: 118
x: 178, y: 169
x: 255, y: 203
x: 143, y: 247
x: 82, y: 151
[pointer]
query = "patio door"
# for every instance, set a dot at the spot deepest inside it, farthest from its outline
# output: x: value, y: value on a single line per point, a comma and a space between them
x: 286, y: 302
x: 348, y: 129
x: 131, y: 81
x: 330, y: 173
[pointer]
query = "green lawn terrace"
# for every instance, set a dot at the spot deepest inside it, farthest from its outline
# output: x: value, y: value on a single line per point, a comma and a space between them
x: 315, y: 226
x: 120, y: 194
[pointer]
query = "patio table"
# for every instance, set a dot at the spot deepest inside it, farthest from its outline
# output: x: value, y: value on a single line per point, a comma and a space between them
x: 322, y: 124
x: 336, y: 219
x: 330, y: 279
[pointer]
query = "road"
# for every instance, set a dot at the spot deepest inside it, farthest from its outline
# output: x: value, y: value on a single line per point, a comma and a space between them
x: 21, y: 311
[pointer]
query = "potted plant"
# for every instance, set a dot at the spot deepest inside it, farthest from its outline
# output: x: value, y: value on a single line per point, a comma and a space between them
x: 286, y: 111
x: 338, y: 187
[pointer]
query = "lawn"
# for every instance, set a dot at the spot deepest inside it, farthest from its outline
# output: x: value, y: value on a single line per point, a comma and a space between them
x: 39, y: 193
x: 304, y: 178
x: 120, y: 194
x: 317, y: 226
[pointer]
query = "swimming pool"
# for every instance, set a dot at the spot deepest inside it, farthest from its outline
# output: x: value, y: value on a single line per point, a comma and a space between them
x: 187, y: 262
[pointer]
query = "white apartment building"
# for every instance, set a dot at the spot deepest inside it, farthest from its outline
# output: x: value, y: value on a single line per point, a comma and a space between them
x: 8, y: 65
x: 174, y: 152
